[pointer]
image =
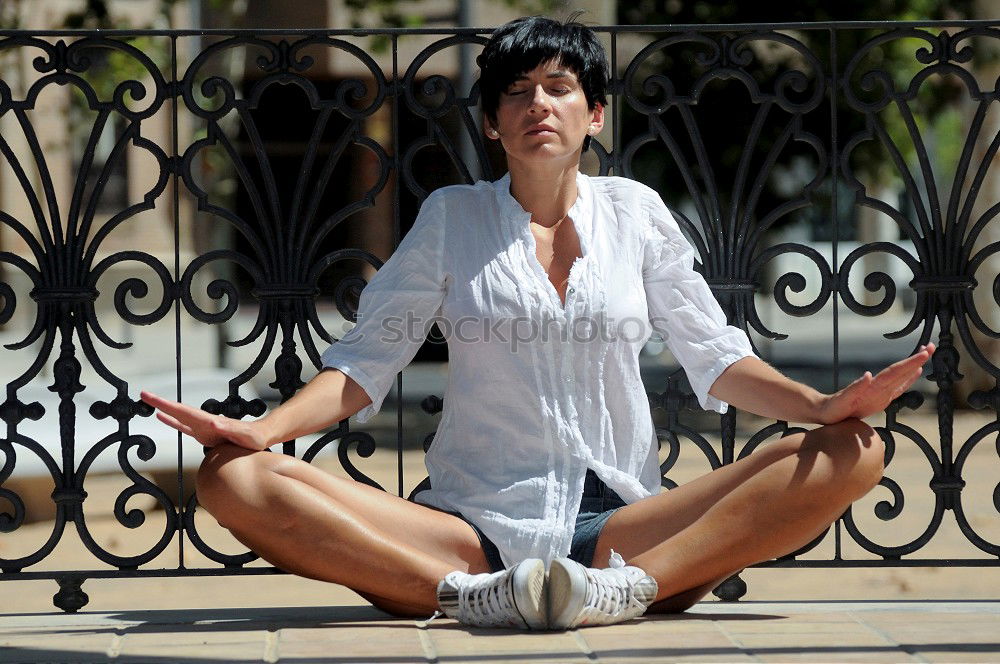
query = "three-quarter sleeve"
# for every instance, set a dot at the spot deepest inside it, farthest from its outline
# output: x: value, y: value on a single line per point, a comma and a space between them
x: 396, y: 310
x: 682, y: 308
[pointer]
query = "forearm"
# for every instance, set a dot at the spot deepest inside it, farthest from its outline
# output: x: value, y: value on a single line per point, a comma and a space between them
x: 328, y: 398
x: 755, y: 386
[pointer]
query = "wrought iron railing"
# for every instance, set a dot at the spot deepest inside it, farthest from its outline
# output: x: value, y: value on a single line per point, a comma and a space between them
x: 826, y: 123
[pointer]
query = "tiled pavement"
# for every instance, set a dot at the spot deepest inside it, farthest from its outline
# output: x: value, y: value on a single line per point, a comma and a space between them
x: 898, y: 631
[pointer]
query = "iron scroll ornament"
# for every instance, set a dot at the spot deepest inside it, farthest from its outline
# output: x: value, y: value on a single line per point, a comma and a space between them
x: 284, y: 262
x: 63, y: 263
x: 945, y: 230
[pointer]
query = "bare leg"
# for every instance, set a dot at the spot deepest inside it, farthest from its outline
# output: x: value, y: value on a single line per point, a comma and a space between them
x: 766, y: 505
x: 295, y: 516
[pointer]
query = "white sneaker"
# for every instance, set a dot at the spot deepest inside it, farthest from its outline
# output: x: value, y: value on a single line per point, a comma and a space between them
x: 513, y: 597
x: 581, y: 596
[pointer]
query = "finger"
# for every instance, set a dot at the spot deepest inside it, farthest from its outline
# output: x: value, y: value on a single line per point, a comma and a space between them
x: 890, y: 391
x: 859, y: 389
x: 904, y: 367
x: 861, y: 383
x: 172, y: 422
x: 150, y: 398
x: 156, y: 401
x: 917, y: 359
x: 174, y: 408
x: 908, y: 383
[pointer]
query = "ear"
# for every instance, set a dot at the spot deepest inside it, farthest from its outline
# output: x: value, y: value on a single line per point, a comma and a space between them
x: 597, y: 120
x: 490, y: 131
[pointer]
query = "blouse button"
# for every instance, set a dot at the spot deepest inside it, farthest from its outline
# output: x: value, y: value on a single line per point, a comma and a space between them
x: 571, y: 291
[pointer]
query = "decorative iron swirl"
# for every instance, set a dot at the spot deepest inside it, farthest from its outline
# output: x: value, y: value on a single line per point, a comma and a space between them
x: 876, y: 281
x: 63, y: 241
x: 793, y: 281
x: 11, y: 522
x: 286, y: 231
x: 233, y: 561
x: 722, y: 56
x: 364, y: 444
x: 145, y: 449
x: 730, y: 240
x: 435, y: 113
x: 944, y: 232
x: 993, y: 428
x: 941, y: 56
x: 886, y: 510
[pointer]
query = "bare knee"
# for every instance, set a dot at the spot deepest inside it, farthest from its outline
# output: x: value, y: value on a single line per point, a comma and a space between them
x: 857, y: 452
x: 225, y: 468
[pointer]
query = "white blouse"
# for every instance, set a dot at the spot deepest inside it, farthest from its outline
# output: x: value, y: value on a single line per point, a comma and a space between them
x: 538, y: 390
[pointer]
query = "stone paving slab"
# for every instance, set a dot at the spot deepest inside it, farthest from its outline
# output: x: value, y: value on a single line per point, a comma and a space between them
x: 901, y: 631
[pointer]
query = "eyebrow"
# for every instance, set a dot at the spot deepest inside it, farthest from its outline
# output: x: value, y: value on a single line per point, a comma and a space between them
x: 558, y: 73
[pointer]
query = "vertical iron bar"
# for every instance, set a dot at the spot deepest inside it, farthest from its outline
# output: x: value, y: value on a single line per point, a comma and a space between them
x: 616, y: 86
x: 395, y: 217
x: 834, y: 87
x: 465, y: 82
x: 175, y: 160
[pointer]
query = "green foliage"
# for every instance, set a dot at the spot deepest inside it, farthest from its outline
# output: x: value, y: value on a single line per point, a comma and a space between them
x: 933, y: 114
x: 937, y: 119
x: 110, y: 67
x: 96, y: 15
x: 388, y: 14
x: 782, y: 11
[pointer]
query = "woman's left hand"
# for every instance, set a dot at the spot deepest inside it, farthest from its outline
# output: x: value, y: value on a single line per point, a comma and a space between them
x: 872, y: 394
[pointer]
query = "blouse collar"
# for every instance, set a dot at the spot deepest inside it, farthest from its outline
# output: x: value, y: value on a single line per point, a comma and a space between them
x: 579, y: 212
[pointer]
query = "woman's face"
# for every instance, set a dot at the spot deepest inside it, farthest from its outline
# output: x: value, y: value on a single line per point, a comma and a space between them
x: 543, y: 115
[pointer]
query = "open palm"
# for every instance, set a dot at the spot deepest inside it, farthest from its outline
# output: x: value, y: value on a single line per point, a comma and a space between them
x: 207, y: 429
x: 872, y: 394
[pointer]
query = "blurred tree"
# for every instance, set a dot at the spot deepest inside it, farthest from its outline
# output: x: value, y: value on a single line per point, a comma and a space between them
x: 10, y: 15
x: 643, y: 12
x: 936, y: 109
x: 97, y: 14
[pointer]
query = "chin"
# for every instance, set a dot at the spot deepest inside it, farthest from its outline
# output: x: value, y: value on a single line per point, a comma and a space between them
x: 546, y: 152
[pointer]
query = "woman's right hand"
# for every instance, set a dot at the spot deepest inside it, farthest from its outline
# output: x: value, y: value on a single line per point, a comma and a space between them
x: 208, y: 429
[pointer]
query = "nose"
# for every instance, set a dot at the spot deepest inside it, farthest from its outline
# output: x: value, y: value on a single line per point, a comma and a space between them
x: 540, y: 102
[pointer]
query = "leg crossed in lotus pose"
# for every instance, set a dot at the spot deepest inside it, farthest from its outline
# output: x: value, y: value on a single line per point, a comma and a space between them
x: 765, y: 505
x: 391, y: 551
x: 394, y: 552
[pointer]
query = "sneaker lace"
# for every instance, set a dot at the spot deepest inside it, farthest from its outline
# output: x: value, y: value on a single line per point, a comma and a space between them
x: 487, y: 600
x: 615, y: 561
x: 609, y: 593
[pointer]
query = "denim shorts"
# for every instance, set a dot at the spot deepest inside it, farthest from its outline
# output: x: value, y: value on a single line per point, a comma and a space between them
x: 597, y: 505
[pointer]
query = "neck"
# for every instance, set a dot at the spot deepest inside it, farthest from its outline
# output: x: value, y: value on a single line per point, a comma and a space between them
x: 546, y: 192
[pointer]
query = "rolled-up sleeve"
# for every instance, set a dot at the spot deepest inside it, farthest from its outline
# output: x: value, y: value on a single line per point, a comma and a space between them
x: 682, y: 308
x: 396, y: 310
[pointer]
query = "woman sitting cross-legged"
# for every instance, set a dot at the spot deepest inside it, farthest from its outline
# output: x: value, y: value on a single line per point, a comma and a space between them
x: 545, y: 509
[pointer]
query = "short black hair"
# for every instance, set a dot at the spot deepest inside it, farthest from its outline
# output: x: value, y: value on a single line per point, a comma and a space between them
x: 521, y: 45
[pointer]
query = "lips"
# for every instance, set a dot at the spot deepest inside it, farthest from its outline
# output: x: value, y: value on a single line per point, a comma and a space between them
x: 540, y: 130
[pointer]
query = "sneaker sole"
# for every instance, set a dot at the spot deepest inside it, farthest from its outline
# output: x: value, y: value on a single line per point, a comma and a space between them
x: 529, y: 593
x: 567, y: 592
